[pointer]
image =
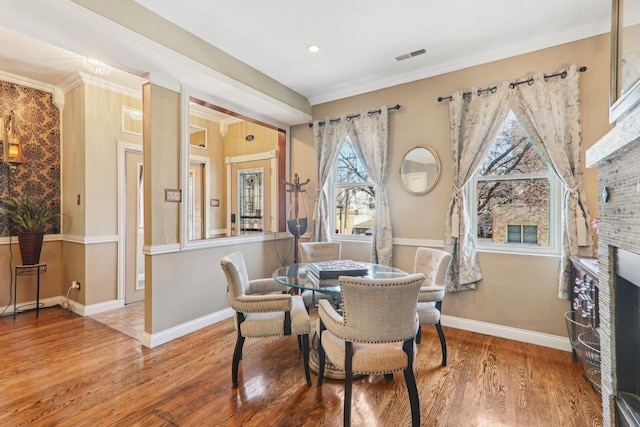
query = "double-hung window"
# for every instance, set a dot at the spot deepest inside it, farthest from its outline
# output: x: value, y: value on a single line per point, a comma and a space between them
x: 514, y: 196
x: 353, y: 195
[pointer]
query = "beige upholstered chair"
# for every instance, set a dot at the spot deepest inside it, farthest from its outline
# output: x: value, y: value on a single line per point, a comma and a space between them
x: 374, y: 334
x: 318, y: 252
x: 434, y: 264
x: 262, y: 310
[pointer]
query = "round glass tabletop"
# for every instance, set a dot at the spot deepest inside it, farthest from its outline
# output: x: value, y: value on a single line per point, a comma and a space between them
x: 299, y: 276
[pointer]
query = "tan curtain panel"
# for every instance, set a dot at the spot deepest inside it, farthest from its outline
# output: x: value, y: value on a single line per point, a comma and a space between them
x: 327, y: 140
x: 549, y: 110
x: 475, y: 121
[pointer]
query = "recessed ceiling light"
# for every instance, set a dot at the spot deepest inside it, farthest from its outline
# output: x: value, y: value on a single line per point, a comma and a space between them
x: 313, y: 48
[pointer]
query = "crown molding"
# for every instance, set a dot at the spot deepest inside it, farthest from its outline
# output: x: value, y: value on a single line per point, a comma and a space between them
x: 78, y: 79
x: 162, y: 81
x: 13, y: 78
x: 367, y: 84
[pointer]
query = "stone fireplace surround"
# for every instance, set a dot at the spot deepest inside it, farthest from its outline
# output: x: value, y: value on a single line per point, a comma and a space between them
x: 617, y: 157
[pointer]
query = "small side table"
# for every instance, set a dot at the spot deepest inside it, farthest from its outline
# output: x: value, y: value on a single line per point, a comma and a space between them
x: 28, y: 270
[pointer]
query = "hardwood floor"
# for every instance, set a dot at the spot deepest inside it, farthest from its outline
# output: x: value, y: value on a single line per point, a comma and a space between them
x: 65, y: 370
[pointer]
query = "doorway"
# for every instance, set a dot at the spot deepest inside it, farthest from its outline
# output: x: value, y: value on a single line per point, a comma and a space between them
x: 131, y: 280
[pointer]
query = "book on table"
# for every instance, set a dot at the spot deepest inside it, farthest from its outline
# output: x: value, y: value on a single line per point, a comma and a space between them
x: 334, y: 269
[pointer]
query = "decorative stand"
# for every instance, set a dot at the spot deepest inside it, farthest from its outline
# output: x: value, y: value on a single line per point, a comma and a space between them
x: 28, y: 270
x: 297, y: 226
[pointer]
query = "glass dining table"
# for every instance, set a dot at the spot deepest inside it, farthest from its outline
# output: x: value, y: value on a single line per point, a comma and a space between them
x: 300, y: 278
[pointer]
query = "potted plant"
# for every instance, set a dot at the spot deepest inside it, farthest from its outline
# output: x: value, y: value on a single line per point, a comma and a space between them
x: 28, y: 218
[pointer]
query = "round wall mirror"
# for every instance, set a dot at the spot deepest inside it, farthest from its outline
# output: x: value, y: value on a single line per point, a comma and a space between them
x: 420, y: 170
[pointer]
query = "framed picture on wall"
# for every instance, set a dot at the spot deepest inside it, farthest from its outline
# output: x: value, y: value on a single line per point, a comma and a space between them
x: 625, y: 58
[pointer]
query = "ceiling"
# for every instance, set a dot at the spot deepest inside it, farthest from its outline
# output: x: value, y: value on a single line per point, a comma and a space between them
x: 358, y: 40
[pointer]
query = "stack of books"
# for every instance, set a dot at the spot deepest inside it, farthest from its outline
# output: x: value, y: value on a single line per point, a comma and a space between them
x: 325, y: 274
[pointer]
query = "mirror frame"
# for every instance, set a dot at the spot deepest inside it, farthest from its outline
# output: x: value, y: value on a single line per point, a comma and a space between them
x: 284, y: 131
x: 620, y: 105
x: 431, y: 186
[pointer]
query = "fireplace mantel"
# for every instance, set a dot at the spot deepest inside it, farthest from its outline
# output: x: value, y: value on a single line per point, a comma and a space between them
x: 625, y: 134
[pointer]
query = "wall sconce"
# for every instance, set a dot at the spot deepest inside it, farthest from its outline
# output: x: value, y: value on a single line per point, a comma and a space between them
x: 11, y: 145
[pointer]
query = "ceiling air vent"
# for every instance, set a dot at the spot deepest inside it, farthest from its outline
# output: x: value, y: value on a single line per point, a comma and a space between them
x: 410, y: 55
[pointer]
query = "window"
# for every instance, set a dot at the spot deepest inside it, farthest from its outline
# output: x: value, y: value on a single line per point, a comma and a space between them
x: 514, y: 195
x: 522, y: 234
x: 354, y: 194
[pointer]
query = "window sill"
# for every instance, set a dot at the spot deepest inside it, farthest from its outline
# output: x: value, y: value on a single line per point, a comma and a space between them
x: 519, y: 250
x: 350, y: 238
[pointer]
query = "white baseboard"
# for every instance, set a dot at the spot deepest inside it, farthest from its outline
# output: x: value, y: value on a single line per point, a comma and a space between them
x: 76, y: 307
x: 522, y: 335
x: 88, y: 310
x: 154, y: 340
x: 31, y: 305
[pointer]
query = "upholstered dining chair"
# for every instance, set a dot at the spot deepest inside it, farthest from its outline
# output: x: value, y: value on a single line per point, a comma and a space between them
x: 434, y: 264
x: 263, y: 310
x: 318, y: 252
x: 374, y: 334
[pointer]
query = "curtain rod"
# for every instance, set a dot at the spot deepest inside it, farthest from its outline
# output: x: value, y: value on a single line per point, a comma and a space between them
x: 353, y: 116
x: 513, y: 85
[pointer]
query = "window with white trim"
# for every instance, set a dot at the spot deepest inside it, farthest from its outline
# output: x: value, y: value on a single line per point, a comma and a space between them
x: 522, y: 234
x: 514, y: 195
x: 353, y: 194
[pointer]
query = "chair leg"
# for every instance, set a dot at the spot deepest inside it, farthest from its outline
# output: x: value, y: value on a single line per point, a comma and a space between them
x: 443, y: 344
x: 237, y: 355
x: 419, y: 334
x: 411, y: 385
x: 305, y: 356
x: 348, y: 382
x: 320, y: 355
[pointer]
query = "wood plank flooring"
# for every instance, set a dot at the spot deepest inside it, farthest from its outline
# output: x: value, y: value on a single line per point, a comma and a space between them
x: 65, y: 370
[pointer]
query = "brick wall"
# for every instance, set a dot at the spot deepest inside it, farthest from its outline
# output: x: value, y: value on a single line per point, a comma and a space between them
x: 619, y: 227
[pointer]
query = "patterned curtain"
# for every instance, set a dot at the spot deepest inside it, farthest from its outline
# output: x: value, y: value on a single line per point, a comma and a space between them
x: 549, y: 110
x: 327, y: 140
x: 475, y: 119
x: 369, y: 136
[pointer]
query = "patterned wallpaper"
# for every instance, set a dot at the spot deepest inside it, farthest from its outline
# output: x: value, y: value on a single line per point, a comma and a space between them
x: 37, y: 125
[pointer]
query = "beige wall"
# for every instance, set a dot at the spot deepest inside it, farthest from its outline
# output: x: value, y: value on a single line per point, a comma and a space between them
x: 73, y: 164
x: 162, y: 163
x: 517, y: 291
x: 189, y: 285
x: 235, y: 144
x: 103, y: 119
x: 92, y: 127
x: 217, y: 186
x: 50, y: 282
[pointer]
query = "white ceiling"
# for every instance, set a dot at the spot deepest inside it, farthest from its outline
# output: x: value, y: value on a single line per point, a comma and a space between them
x: 358, y: 40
